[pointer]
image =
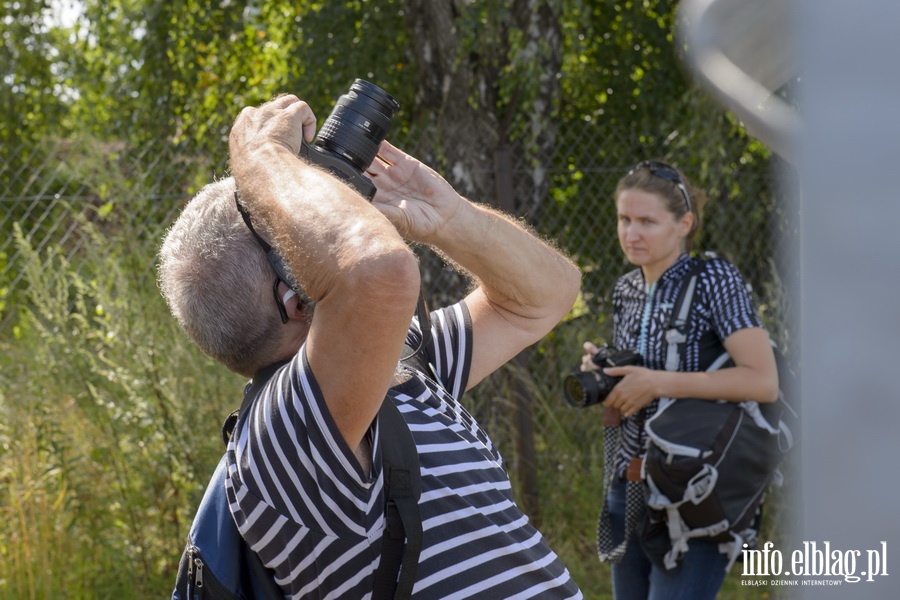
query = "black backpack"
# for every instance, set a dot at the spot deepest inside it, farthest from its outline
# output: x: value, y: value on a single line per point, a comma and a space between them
x: 218, y: 564
x: 709, y: 463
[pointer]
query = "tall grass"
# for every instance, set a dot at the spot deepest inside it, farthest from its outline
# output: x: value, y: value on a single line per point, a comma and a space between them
x: 108, y: 433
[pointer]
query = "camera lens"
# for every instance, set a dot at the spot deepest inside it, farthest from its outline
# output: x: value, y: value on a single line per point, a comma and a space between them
x: 583, y: 389
x: 358, y: 124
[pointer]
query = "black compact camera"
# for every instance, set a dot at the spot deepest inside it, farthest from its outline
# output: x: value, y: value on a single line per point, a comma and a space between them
x: 586, y: 388
x: 348, y: 141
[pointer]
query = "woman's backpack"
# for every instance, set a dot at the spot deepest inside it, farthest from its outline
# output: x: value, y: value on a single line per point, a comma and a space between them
x: 709, y: 463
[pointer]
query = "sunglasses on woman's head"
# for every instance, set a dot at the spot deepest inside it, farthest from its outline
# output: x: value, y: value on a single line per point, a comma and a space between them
x: 667, y: 172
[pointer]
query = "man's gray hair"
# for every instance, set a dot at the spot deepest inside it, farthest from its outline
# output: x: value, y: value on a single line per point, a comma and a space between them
x: 217, y: 281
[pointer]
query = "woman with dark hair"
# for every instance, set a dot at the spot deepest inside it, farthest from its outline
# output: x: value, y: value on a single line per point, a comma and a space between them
x: 658, y: 215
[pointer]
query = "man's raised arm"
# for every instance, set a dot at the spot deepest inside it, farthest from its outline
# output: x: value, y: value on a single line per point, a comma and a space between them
x: 525, y: 286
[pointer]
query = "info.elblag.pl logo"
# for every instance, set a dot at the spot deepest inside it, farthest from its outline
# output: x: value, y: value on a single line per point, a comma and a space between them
x: 814, y: 564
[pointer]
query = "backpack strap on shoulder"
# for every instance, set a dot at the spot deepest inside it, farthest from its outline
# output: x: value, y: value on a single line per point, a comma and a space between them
x: 403, y: 483
x: 403, y: 523
x: 676, y: 330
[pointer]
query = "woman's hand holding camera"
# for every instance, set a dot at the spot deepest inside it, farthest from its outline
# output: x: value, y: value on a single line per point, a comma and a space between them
x: 637, y: 389
x: 587, y: 361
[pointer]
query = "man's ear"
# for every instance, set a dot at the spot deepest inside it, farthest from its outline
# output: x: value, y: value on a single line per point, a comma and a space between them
x: 296, y: 308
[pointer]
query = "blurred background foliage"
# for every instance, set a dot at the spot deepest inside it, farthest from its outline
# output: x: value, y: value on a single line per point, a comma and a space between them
x: 116, y: 111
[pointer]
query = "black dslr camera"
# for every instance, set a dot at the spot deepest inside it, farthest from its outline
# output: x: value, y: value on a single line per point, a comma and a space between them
x: 348, y: 141
x: 586, y: 388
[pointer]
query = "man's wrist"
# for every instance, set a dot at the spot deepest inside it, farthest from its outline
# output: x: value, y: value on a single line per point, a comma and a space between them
x: 458, y: 228
x: 247, y: 161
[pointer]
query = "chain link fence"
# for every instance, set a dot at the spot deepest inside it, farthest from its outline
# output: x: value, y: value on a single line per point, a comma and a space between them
x: 48, y: 189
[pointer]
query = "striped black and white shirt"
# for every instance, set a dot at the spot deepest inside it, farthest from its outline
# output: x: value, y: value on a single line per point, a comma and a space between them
x: 302, y: 501
x: 721, y: 306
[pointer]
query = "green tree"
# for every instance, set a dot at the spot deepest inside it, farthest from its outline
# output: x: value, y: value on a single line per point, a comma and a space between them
x: 179, y: 71
x: 32, y: 73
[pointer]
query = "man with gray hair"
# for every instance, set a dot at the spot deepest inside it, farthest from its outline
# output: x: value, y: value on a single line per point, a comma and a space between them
x: 304, y: 478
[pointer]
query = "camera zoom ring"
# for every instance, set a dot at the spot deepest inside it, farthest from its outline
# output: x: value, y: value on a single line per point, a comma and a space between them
x: 347, y: 140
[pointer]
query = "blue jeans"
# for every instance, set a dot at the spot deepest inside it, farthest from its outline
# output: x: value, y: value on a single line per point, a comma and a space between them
x: 699, y: 575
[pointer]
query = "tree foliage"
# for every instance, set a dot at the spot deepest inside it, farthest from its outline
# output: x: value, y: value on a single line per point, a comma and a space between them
x: 32, y: 71
x: 473, y: 76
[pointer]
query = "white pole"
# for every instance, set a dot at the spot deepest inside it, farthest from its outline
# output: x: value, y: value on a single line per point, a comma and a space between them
x: 846, y: 147
x: 850, y: 288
